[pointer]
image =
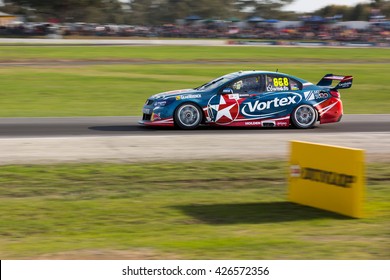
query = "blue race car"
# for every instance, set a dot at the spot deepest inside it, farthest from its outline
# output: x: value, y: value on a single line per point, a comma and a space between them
x: 250, y: 99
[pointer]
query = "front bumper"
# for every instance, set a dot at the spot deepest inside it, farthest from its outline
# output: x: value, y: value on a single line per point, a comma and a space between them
x: 156, y: 116
x: 150, y: 118
x: 165, y: 122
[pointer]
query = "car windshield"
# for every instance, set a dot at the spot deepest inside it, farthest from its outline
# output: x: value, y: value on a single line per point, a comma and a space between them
x: 215, y: 83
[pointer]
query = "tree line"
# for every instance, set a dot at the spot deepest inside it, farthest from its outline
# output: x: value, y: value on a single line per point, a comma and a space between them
x: 155, y: 12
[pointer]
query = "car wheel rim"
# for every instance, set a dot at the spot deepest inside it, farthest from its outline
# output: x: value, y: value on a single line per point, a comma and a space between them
x: 189, y: 115
x: 305, y: 116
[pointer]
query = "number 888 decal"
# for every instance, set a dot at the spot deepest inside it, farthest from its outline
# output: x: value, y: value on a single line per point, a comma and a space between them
x: 281, y: 82
x: 277, y: 83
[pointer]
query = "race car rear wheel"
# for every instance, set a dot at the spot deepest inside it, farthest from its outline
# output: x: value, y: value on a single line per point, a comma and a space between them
x: 304, y: 116
x: 188, y: 116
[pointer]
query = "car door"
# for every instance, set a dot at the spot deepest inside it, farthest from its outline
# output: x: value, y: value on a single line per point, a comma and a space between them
x: 224, y: 108
x: 277, y: 99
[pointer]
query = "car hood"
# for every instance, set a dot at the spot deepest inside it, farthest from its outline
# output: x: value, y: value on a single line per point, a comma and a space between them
x: 174, y: 93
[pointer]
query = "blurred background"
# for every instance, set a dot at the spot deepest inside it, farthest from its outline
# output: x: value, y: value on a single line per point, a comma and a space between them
x: 328, y: 21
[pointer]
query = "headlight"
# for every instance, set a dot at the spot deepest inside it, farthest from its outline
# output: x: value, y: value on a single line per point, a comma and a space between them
x: 149, y: 102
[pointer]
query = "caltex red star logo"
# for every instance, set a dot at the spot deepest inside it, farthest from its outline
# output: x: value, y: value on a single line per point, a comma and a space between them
x: 223, y: 109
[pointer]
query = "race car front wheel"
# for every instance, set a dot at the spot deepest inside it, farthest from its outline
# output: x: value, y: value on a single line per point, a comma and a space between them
x: 304, y: 116
x: 188, y: 116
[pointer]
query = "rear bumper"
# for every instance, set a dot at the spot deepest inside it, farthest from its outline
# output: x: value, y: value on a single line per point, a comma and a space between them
x: 330, y: 111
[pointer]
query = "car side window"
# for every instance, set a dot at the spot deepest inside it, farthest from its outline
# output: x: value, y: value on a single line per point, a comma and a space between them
x: 247, y: 85
x: 295, y: 85
x: 280, y: 83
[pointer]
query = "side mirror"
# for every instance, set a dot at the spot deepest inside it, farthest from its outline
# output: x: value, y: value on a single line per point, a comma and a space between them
x: 227, y: 91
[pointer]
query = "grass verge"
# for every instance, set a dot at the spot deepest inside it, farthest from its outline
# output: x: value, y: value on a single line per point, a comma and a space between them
x: 87, y: 81
x: 120, y: 90
x: 193, y: 210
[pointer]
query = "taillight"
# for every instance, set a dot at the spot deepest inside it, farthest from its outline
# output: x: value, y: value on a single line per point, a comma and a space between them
x: 335, y: 93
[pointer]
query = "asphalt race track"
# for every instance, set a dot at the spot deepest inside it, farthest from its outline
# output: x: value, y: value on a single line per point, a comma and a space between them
x: 128, y: 126
x: 121, y: 139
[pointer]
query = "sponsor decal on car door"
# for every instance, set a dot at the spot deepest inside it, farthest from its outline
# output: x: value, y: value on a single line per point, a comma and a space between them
x: 269, y: 105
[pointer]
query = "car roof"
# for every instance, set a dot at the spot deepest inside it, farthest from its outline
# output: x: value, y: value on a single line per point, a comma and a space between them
x: 259, y: 72
x: 249, y: 72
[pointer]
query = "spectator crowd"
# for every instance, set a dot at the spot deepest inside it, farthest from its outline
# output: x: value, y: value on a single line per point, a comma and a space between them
x: 271, y: 30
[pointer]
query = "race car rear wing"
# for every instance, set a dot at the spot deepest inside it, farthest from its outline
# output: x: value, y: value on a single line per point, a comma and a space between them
x: 327, y: 80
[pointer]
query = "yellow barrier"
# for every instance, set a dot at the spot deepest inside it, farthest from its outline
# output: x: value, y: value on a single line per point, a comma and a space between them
x: 327, y: 177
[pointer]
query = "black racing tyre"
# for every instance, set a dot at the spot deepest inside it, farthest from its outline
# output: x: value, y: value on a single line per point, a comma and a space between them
x: 304, y: 116
x: 188, y: 116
